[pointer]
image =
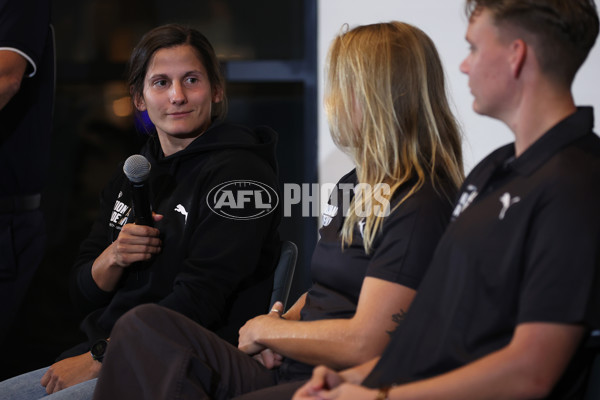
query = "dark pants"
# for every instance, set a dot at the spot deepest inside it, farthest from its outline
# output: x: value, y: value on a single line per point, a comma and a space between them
x: 156, y: 353
x: 22, y: 242
x: 283, y: 391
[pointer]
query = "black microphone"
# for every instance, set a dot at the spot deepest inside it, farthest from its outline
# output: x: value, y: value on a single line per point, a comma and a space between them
x: 137, y: 170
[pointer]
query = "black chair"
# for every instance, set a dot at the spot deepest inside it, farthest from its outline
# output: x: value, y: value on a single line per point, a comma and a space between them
x: 284, y: 273
x: 592, y: 345
x: 593, y: 389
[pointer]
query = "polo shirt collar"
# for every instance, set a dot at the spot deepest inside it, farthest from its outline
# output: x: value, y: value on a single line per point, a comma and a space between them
x: 562, y: 134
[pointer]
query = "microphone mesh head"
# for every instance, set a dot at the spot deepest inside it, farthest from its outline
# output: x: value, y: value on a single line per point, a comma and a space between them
x: 137, y: 168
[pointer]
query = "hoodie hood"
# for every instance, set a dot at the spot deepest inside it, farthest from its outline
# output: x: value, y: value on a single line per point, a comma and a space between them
x: 261, y: 140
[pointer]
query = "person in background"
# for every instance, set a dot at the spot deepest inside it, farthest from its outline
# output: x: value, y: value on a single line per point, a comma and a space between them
x: 26, y: 109
x: 513, y: 290
x: 217, y: 271
x: 387, y: 108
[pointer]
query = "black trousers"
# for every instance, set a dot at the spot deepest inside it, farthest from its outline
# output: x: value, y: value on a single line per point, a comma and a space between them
x: 283, y: 391
x: 22, y: 245
x: 156, y: 353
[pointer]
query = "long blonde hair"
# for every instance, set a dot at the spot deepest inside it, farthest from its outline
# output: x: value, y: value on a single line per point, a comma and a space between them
x: 387, y: 109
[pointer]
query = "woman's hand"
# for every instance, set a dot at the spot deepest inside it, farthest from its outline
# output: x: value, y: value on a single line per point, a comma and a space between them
x: 327, y: 384
x: 348, y: 391
x: 269, y: 358
x: 323, y: 379
x: 135, y: 243
x: 251, y: 331
x: 69, y: 372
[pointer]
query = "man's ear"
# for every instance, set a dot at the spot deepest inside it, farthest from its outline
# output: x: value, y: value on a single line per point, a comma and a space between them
x: 518, y: 56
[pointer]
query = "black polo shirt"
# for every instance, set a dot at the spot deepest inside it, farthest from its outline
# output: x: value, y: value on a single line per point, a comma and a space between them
x: 26, y: 121
x: 401, y: 252
x: 523, y: 247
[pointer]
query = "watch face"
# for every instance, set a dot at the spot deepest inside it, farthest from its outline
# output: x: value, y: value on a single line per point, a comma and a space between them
x: 99, y: 348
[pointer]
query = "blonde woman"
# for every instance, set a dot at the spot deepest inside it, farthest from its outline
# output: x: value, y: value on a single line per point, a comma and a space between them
x: 387, y: 109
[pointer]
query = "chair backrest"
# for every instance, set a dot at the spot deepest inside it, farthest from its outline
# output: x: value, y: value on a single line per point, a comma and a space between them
x: 284, y: 273
x: 593, y: 388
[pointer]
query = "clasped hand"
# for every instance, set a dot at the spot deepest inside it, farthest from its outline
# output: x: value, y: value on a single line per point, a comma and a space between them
x: 251, y: 331
x: 327, y: 384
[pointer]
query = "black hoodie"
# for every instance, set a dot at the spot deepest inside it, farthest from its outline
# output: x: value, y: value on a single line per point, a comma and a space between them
x: 215, y: 270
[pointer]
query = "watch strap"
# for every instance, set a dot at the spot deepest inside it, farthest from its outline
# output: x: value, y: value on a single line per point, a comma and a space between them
x: 98, y: 349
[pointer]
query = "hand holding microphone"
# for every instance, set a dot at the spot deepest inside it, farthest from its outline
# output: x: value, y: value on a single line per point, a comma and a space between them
x: 137, y: 242
x: 137, y: 170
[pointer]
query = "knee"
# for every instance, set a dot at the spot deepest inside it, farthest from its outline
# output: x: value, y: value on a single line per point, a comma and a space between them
x: 137, y: 319
x: 144, y: 312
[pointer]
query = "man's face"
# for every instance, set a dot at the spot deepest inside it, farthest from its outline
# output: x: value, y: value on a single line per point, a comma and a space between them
x: 487, y: 66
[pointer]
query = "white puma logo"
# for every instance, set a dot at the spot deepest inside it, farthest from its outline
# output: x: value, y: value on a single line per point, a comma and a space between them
x: 506, y: 203
x: 180, y: 209
x: 361, y: 227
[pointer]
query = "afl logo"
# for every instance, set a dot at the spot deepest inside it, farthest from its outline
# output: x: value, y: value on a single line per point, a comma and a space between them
x: 242, y: 199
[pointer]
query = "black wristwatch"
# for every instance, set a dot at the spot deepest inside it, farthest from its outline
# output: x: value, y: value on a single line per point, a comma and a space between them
x: 98, y: 349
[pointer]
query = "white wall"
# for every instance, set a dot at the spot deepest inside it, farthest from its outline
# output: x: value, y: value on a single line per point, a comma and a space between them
x: 445, y: 23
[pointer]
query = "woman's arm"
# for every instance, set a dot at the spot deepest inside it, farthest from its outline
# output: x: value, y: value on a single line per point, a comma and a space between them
x: 293, y: 314
x: 400, y: 256
x: 527, y: 368
x: 268, y: 357
x: 405, y: 245
x: 84, y: 290
x: 337, y: 343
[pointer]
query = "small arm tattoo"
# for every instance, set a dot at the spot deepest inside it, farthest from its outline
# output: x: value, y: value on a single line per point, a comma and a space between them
x: 397, y: 319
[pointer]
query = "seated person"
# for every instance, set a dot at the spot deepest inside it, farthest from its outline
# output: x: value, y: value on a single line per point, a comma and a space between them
x: 379, y: 232
x: 214, y: 270
x: 513, y: 290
